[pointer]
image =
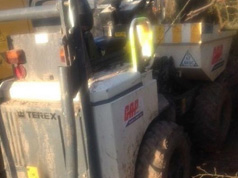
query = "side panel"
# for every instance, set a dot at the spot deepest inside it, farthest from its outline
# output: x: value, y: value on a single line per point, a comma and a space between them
x: 32, y: 137
x: 121, y: 125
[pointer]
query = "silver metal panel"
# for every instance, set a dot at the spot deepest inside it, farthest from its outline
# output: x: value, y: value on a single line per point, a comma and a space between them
x: 42, y: 54
x: 34, y: 132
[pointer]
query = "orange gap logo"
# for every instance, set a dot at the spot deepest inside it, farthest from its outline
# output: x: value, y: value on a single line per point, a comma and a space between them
x: 217, y: 53
x: 217, y: 60
x: 132, y: 112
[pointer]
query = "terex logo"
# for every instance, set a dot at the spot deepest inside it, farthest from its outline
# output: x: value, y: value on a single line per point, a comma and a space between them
x: 132, y: 112
x: 37, y: 115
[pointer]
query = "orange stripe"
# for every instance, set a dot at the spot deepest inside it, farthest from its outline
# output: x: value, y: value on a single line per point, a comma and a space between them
x: 159, y: 34
x: 195, y: 33
x: 177, y: 33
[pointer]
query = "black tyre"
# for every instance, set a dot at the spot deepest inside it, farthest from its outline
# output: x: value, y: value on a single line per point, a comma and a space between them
x: 212, y: 117
x: 164, y: 153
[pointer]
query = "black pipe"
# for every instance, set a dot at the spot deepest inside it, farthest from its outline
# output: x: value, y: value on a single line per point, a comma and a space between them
x: 90, y: 129
x: 69, y: 127
x: 78, y: 49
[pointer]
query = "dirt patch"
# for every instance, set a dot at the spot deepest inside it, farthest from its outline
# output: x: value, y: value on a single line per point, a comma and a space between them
x: 223, y: 161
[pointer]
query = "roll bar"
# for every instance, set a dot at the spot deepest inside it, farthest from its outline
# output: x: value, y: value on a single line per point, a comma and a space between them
x: 37, y: 12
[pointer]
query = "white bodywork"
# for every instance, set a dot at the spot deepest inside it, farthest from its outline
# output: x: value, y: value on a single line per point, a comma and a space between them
x: 199, y: 50
x: 124, y: 104
x: 120, y: 134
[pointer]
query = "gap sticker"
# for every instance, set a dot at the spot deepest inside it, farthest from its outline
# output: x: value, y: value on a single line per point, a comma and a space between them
x: 188, y: 61
x: 133, y: 111
x: 217, y: 60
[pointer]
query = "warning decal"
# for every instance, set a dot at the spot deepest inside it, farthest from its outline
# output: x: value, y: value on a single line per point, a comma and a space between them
x: 32, y: 172
x: 188, y: 61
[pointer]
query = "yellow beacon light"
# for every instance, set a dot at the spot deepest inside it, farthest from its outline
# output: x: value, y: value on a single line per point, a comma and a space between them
x: 141, y: 42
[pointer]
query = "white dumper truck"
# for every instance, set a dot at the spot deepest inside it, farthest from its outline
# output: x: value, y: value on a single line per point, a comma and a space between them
x: 124, y: 120
x: 199, y: 56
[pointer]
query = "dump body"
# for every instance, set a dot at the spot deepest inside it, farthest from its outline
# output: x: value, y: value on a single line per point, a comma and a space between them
x: 199, y: 50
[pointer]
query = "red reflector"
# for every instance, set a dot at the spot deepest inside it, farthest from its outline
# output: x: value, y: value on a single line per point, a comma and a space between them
x: 20, y: 72
x: 15, y: 56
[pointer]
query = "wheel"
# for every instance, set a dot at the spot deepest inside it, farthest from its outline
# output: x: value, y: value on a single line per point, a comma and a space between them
x: 212, y: 117
x: 164, y: 153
